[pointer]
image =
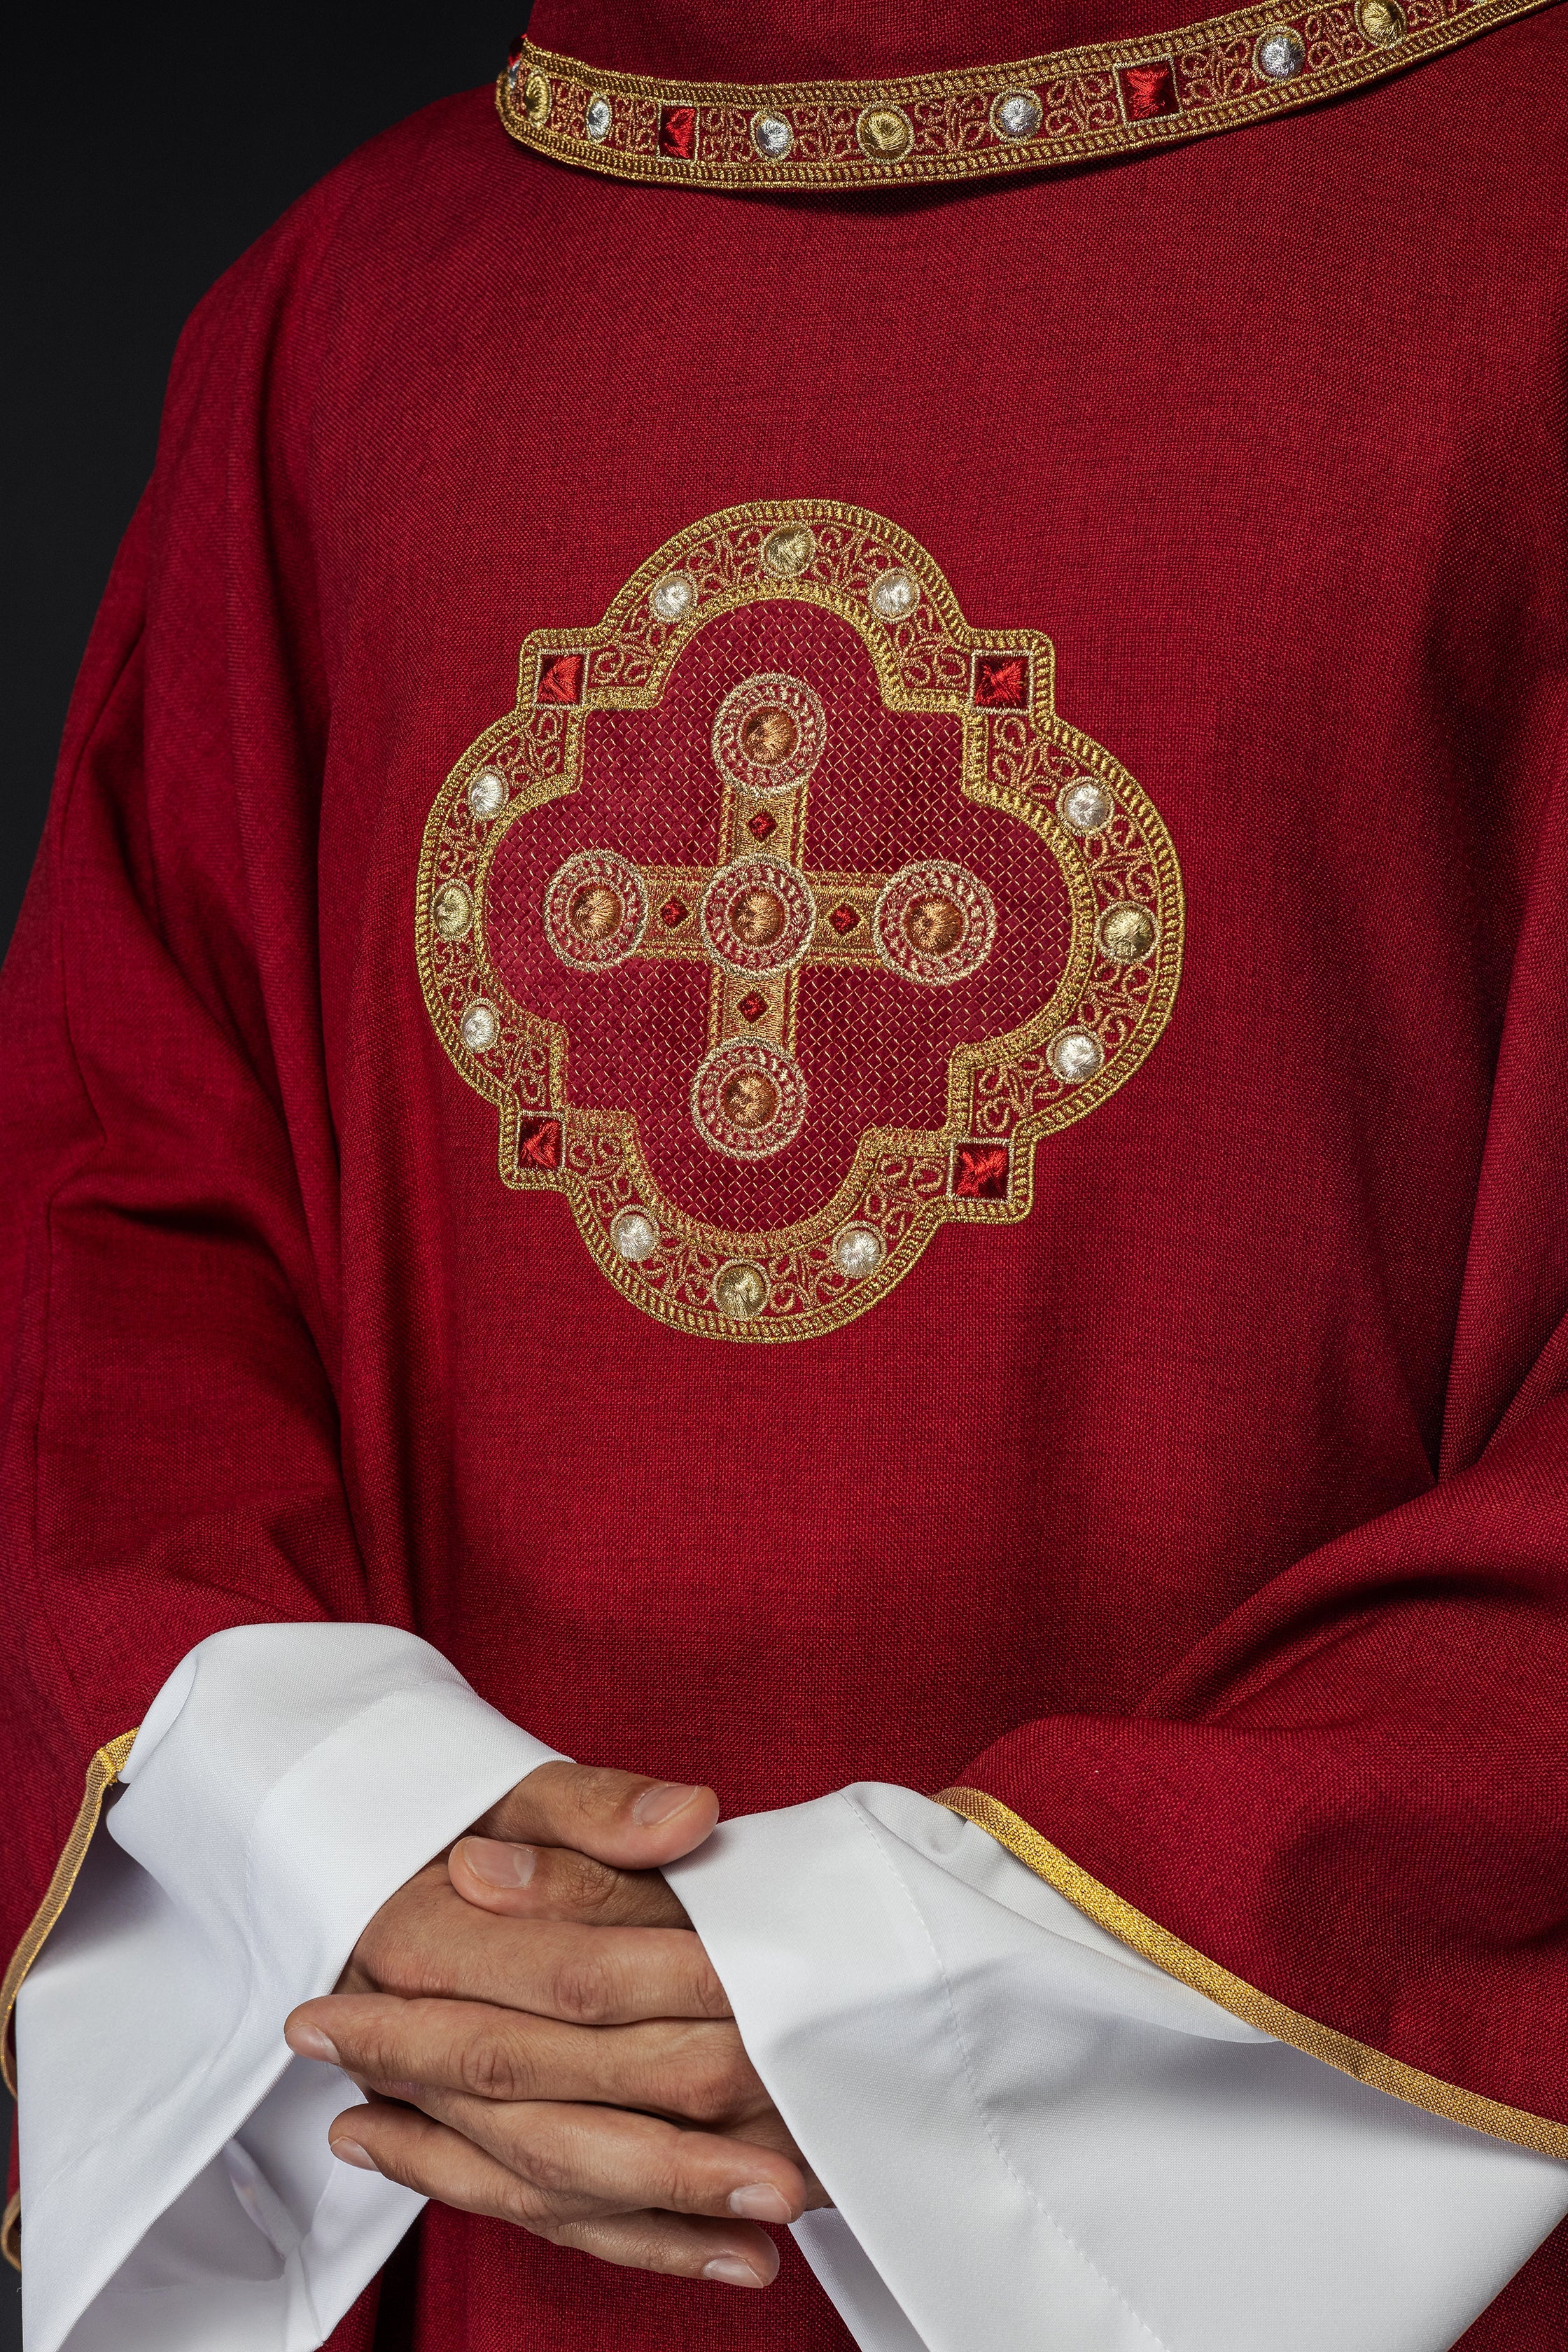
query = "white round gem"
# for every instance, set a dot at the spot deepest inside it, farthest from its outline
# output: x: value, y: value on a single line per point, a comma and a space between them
x: 673, y: 596
x: 486, y: 794
x: 480, y: 1028
x: 858, y: 1251
x: 1076, y: 1055
x: 895, y: 595
x: 1017, y: 114
x: 634, y: 1234
x: 1280, y: 53
x: 1084, y: 806
x: 772, y: 136
x: 597, y: 120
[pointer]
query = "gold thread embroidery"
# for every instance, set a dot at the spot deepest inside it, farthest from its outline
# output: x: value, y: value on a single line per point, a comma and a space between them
x: 1061, y: 107
x: 1151, y: 1942
x: 1004, y: 1094
x: 101, y: 1774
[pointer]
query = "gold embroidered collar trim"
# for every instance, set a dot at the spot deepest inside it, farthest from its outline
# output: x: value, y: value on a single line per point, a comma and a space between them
x: 985, y: 121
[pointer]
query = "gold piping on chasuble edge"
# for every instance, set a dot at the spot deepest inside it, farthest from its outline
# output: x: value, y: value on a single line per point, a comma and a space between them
x: 782, y: 917
x: 101, y: 1774
x: 1151, y: 1942
x: 985, y: 121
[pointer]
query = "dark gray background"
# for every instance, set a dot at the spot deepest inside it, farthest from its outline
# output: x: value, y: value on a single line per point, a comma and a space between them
x: 145, y: 150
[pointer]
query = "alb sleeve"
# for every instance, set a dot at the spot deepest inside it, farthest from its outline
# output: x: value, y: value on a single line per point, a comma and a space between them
x: 178, y: 2189
x: 1030, y: 2132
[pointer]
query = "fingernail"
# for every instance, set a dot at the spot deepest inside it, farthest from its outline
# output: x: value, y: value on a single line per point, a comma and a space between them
x: 731, y: 2270
x: 349, y: 2151
x: 498, y: 1864
x: 759, y: 2201
x: 660, y: 1803
x: 310, y: 2042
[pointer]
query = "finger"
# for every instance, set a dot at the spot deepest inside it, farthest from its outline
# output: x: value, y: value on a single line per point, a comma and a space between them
x: 580, y: 2161
x: 595, y: 2159
x: 437, y: 2162
x: 621, y: 1818
x: 543, y: 1882
x: 698, y: 2072
x: 679, y: 2247
x: 434, y: 1943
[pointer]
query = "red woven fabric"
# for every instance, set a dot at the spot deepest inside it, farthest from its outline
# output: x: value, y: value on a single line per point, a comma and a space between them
x: 1213, y: 1515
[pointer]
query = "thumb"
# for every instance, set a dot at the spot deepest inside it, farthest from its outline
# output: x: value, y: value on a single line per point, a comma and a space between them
x: 622, y: 1818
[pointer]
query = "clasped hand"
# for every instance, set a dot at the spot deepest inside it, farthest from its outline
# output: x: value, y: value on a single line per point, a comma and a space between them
x: 541, y: 2037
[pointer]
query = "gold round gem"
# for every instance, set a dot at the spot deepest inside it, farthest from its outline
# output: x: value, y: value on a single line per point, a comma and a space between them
x: 1279, y: 53
x: 769, y: 734
x: 748, y: 1100
x: 885, y: 133
x: 787, y: 551
x: 536, y: 100
x: 758, y: 916
x: 1128, y: 932
x: 453, y: 910
x: 1382, y: 22
x: 596, y: 911
x: 895, y: 595
x: 634, y: 1234
x: 740, y: 1289
x: 1015, y: 114
x: 933, y: 926
x: 935, y: 922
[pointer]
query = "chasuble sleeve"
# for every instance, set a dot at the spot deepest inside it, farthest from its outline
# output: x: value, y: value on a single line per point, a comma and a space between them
x: 167, y: 1260
x: 1344, y: 1815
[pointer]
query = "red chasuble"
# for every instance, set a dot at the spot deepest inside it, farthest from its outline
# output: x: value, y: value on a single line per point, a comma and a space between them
x: 801, y: 970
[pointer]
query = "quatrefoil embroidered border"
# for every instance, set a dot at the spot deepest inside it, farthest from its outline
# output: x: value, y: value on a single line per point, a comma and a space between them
x: 783, y: 918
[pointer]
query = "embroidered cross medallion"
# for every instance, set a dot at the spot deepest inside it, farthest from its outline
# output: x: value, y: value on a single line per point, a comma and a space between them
x: 782, y: 918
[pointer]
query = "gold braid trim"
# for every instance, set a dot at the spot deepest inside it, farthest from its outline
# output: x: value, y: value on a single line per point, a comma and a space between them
x: 101, y: 1775
x: 1151, y: 1942
x: 983, y: 120
x: 11, y: 2234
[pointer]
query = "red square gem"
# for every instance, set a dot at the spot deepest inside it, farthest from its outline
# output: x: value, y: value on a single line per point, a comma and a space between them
x: 539, y: 1143
x: 673, y: 913
x: 1001, y: 682
x: 559, y: 678
x: 762, y: 824
x: 845, y: 918
x: 980, y: 1171
x: 1148, y: 90
x: 677, y: 132
x: 751, y: 1006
